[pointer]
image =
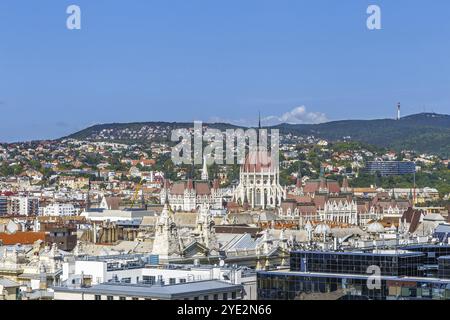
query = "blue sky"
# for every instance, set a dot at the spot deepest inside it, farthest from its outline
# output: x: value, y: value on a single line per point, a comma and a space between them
x: 178, y: 60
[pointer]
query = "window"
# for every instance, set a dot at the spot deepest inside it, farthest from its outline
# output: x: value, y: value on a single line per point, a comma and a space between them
x: 182, y: 280
x: 126, y: 280
x: 233, y: 295
x: 122, y: 298
x: 195, y: 298
x: 172, y: 281
x: 149, y: 279
x: 216, y: 297
x: 134, y: 298
x: 98, y: 297
x: 225, y: 296
x: 205, y: 297
x: 109, y: 298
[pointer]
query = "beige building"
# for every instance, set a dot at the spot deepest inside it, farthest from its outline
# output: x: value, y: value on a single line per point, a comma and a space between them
x: 9, y: 290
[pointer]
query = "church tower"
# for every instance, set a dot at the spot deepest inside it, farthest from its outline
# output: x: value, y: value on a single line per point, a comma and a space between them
x: 167, y: 242
x: 205, y: 228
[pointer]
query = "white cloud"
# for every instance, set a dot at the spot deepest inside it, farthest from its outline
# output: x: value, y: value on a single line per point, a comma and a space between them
x: 298, y: 115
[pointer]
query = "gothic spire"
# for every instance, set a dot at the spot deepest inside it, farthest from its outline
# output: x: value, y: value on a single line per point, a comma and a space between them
x: 259, y: 120
x: 205, y: 170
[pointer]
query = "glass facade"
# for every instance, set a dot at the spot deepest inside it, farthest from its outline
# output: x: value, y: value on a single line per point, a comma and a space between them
x: 317, y: 275
x: 432, y: 252
x: 390, y: 168
x: 298, y: 286
x: 444, y: 267
x: 390, y: 264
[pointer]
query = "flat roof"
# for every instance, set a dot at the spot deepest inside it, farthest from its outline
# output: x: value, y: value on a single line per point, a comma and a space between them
x: 353, y: 276
x: 8, y: 283
x: 402, y: 253
x: 180, y: 290
x: 425, y: 245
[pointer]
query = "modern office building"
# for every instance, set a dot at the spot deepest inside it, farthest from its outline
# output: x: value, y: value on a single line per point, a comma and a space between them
x: 444, y: 267
x: 377, y: 275
x: 390, y: 168
x: 442, y: 232
x: 431, y: 252
x: 391, y: 262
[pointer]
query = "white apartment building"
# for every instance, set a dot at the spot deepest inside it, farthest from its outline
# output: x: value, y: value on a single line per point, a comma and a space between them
x: 132, y: 270
x: 58, y: 209
x: 23, y: 206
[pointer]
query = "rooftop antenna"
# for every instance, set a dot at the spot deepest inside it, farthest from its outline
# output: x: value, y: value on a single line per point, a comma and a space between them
x: 259, y: 130
x: 259, y: 119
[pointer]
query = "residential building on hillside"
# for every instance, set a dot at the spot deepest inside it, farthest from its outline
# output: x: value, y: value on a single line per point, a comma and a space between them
x: 390, y: 168
x: 23, y: 206
x: 58, y: 209
x: 3, y: 206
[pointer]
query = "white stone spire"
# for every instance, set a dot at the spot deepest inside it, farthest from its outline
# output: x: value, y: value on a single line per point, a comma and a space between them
x: 205, y: 175
x: 205, y: 228
x: 167, y: 242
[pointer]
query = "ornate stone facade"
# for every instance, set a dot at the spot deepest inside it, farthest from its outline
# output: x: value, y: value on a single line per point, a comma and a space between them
x: 259, y: 182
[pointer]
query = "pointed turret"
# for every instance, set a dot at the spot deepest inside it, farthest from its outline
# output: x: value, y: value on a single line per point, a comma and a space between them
x: 216, y: 185
x: 205, y: 175
x: 166, y: 191
x: 205, y: 228
x: 245, y: 205
x: 167, y: 241
x: 345, y: 185
x: 299, y: 183
x: 323, y: 181
x: 190, y: 184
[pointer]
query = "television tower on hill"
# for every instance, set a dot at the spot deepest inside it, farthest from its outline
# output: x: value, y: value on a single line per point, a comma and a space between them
x: 398, y: 111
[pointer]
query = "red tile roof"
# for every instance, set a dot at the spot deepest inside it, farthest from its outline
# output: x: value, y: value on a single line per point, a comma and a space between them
x: 21, y: 237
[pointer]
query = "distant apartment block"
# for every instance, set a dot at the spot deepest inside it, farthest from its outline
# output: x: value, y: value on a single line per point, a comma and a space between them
x: 23, y: 206
x: 390, y: 168
x: 3, y: 206
x: 58, y: 209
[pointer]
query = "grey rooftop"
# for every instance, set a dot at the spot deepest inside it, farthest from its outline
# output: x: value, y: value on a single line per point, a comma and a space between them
x: 157, y: 291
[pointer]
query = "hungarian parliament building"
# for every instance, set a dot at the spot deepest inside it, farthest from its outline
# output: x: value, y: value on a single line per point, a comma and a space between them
x: 259, y: 189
